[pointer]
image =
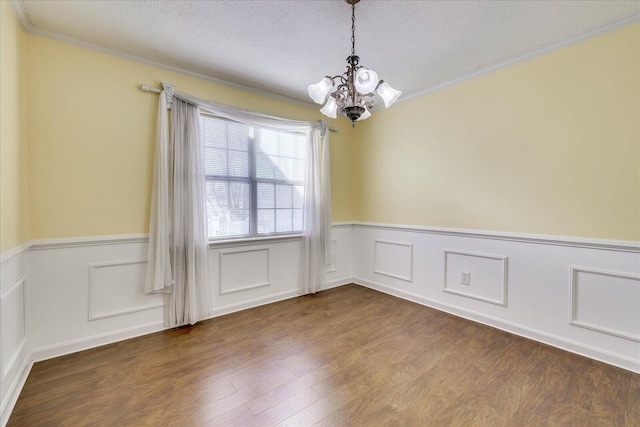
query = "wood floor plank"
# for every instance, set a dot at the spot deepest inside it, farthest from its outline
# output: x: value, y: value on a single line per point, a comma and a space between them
x: 348, y: 356
x: 325, y: 406
x: 284, y: 392
x: 633, y: 405
x: 285, y: 409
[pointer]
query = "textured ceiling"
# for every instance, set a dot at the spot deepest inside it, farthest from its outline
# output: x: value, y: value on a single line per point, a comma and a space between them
x: 283, y: 46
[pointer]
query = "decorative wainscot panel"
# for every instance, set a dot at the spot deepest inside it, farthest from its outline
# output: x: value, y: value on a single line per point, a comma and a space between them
x: 394, y: 259
x: 14, y: 337
x: 116, y: 288
x: 243, y: 269
x: 476, y: 275
x: 605, y: 301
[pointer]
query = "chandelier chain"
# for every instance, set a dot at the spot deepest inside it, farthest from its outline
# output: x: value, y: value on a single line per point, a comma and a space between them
x: 353, y: 28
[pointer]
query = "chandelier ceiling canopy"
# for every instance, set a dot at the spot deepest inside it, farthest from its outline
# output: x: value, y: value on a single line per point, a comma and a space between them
x: 355, y: 87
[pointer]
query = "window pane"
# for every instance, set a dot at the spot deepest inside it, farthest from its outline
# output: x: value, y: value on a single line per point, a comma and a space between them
x: 266, y: 196
x: 238, y: 163
x: 239, y: 224
x: 279, y: 156
x: 283, y: 220
x: 216, y: 161
x: 283, y: 170
x: 214, y: 132
x: 239, y: 195
x: 266, y: 221
x: 228, y: 208
x: 217, y: 194
x: 265, y: 168
x: 286, y: 141
x: 298, y: 196
x: 297, y: 174
x: 267, y: 142
x: 283, y: 196
x: 301, y: 147
x: 238, y: 136
x: 298, y: 219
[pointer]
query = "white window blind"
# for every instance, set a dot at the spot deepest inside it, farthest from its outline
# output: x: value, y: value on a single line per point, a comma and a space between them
x: 255, y: 179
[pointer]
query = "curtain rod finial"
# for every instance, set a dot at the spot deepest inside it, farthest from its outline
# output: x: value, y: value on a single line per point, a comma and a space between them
x: 169, y: 89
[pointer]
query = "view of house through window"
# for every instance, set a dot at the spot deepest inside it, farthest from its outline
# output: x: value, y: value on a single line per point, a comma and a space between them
x: 255, y: 179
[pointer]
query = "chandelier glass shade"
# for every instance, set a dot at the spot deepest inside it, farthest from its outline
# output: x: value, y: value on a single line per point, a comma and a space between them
x: 352, y: 92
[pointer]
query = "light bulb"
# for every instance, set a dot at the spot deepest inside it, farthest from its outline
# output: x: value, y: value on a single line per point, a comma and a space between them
x: 330, y: 108
x: 365, y: 115
x: 366, y: 80
x: 388, y: 94
x: 318, y: 92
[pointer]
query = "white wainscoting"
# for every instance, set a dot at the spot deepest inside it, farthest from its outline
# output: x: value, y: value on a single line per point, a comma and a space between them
x: 62, y: 296
x: 89, y: 291
x: 539, y: 277
x: 15, y: 345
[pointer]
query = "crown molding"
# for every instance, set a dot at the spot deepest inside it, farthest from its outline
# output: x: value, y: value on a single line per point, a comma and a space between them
x: 89, y: 45
x: 21, y: 14
x: 23, y: 18
x: 525, y: 56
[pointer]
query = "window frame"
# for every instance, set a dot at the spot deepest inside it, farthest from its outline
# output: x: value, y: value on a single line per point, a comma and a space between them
x: 253, y: 182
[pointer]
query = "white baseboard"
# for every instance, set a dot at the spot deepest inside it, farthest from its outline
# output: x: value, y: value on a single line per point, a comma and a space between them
x: 57, y: 350
x: 520, y: 330
x: 15, y: 390
x: 338, y: 282
x: 252, y: 303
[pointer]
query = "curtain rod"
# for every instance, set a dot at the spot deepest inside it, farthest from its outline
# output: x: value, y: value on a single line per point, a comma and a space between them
x: 147, y: 88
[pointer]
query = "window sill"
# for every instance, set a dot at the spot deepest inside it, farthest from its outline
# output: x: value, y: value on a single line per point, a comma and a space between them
x: 253, y: 240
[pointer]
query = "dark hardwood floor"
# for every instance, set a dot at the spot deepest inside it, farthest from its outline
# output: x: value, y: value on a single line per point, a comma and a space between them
x: 349, y: 356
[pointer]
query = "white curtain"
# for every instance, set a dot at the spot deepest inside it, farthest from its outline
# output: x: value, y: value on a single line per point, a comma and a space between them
x: 249, y: 117
x: 178, y: 243
x: 315, y: 252
x: 159, y: 278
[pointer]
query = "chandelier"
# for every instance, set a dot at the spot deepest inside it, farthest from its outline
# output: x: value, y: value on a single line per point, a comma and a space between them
x: 355, y: 90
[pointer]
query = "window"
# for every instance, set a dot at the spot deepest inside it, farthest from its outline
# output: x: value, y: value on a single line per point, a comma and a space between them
x: 255, y: 179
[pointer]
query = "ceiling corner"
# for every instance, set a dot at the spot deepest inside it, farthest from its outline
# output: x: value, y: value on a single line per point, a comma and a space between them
x: 21, y: 14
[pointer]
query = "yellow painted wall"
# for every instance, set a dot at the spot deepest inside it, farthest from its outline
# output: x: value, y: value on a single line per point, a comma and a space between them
x: 92, y: 137
x: 13, y: 132
x: 547, y: 146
